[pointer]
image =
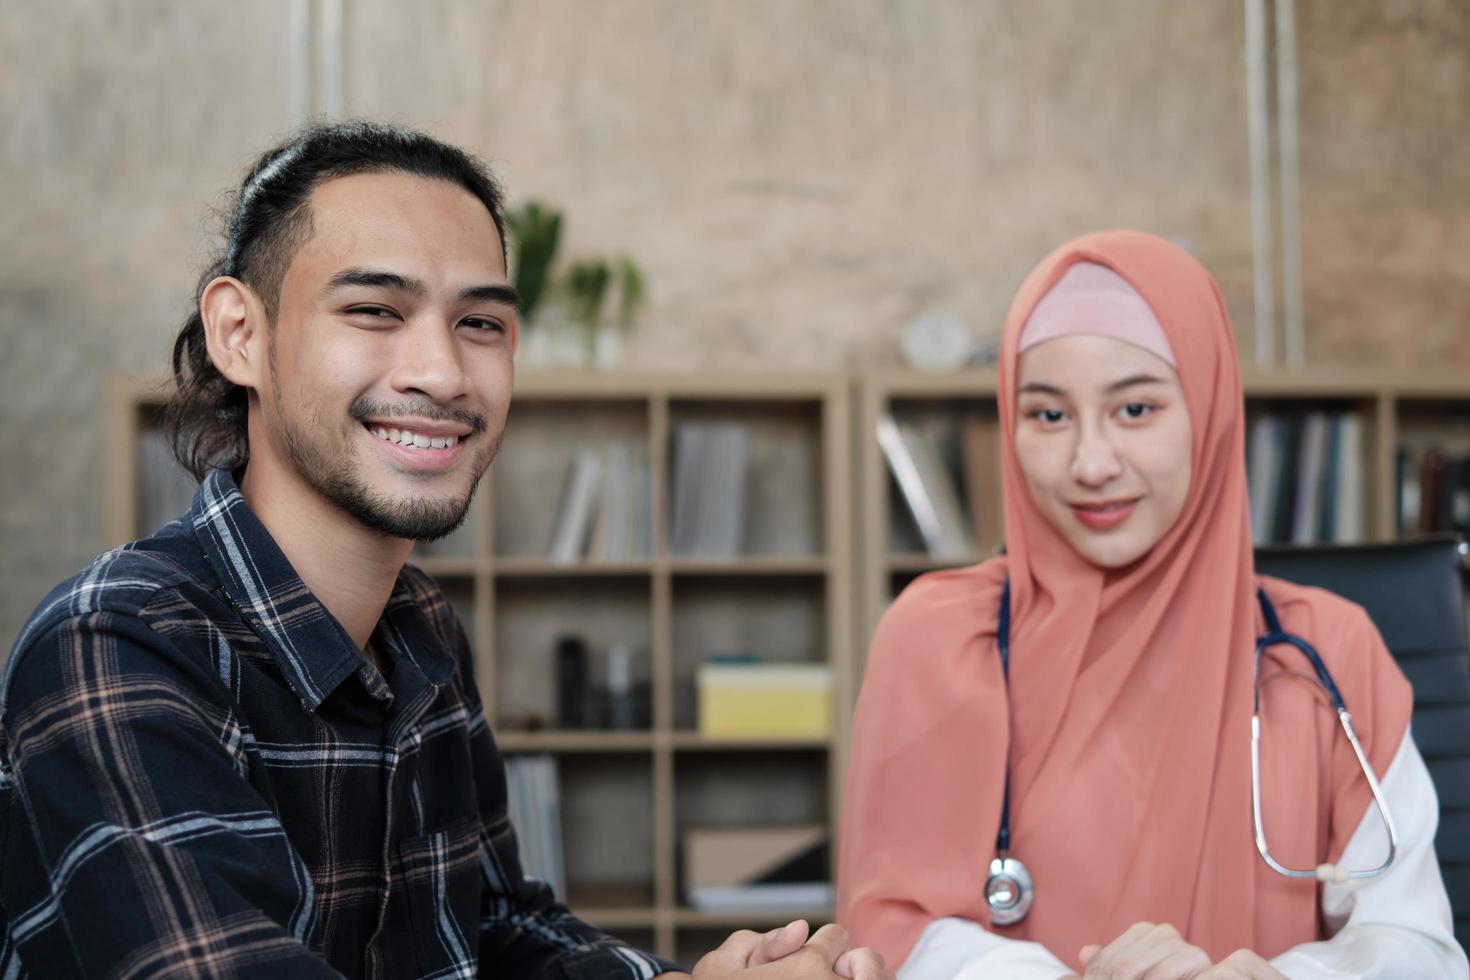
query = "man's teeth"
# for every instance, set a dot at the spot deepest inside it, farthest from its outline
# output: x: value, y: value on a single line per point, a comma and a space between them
x: 406, y: 438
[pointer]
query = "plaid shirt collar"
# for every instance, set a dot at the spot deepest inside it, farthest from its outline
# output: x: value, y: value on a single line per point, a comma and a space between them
x: 314, y: 652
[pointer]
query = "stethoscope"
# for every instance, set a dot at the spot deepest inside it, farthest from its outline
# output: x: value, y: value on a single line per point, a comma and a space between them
x: 1009, y: 890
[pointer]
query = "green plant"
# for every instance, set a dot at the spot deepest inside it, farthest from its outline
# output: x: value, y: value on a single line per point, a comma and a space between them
x: 535, y: 231
x: 631, y: 292
x: 586, y: 285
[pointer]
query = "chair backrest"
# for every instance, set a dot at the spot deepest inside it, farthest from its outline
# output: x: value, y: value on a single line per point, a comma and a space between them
x: 1415, y: 595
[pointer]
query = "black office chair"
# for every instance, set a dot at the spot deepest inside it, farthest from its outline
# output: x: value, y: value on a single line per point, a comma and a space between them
x: 1414, y: 593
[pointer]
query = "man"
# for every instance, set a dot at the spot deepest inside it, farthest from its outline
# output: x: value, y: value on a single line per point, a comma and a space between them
x: 251, y: 745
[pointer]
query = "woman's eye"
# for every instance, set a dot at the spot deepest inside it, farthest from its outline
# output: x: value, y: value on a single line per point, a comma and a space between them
x: 1137, y: 410
x: 1049, y: 416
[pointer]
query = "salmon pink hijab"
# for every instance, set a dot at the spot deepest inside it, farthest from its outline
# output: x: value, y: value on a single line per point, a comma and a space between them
x: 1126, y: 726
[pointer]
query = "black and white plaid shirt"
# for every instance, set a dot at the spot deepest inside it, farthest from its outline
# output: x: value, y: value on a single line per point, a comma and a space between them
x: 201, y: 775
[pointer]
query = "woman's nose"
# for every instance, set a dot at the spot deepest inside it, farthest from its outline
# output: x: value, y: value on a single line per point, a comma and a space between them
x: 1095, y: 461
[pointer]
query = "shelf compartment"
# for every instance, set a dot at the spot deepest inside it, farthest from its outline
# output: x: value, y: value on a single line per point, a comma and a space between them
x: 532, y: 614
x: 965, y: 434
x: 783, y: 512
x: 749, y: 789
x: 607, y: 805
x: 542, y: 438
x: 780, y: 619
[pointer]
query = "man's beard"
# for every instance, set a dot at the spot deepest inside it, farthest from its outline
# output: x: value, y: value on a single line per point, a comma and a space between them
x: 338, y: 479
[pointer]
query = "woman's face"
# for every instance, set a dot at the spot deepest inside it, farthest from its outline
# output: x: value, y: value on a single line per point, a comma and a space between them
x: 1104, y: 442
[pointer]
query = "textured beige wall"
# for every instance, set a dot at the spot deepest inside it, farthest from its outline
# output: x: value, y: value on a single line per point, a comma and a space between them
x: 796, y: 177
x: 1385, y: 130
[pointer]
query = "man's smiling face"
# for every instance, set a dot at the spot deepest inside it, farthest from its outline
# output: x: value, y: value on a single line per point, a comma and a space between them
x: 391, y: 353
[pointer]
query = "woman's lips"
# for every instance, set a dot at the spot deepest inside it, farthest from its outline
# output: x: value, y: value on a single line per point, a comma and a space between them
x: 1100, y: 517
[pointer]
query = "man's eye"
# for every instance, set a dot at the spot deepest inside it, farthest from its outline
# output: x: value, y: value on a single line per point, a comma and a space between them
x: 372, y: 312
x: 483, y: 323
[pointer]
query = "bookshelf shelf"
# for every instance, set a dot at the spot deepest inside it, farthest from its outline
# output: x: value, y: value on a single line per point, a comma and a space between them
x: 695, y: 742
x: 751, y: 566
x: 445, y: 567
x: 545, y: 568
x: 581, y: 741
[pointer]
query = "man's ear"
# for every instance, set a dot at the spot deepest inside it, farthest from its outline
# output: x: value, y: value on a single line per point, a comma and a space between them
x: 235, y: 331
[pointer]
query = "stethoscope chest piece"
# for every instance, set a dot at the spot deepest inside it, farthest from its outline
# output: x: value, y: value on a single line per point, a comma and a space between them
x: 1008, y: 890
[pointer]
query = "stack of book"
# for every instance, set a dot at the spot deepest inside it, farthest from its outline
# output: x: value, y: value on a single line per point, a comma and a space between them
x: 709, y: 477
x: 919, y: 457
x: 1306, y: 477
x: 765, y: 700
x: 534, y: 804
x: 604, y: 510
x: 757, y: 868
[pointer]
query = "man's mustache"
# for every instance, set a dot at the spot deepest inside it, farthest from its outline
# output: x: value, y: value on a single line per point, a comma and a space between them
x: 366, y: 408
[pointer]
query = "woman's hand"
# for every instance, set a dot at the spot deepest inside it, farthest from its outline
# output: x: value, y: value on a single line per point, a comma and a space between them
x: 1146, y: 950
x: 1243, y: 965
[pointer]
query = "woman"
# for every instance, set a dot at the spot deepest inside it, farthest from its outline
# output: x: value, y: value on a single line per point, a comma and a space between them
x: 1128, y: 603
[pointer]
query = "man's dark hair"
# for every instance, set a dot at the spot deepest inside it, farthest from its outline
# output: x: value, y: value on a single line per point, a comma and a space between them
x: 270, y: 218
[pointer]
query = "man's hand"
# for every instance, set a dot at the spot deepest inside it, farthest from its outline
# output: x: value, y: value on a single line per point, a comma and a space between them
x: 787, y: 954
x: 1157, y: 952
x: 746, y: 949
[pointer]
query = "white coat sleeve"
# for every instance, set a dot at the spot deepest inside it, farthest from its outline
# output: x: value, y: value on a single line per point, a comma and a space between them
x: 1397, y: 924
x: 958, y: 949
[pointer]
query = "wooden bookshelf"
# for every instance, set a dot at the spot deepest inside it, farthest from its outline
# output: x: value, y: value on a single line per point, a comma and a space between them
x: 1394, y: 409
x: 825, y: 560
x: 796, y: 577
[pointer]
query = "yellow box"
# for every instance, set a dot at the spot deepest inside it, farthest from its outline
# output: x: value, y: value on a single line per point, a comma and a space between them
x: 765, y: 700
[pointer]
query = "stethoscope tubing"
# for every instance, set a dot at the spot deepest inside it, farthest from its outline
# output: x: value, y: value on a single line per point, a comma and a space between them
x: 1273, y: 636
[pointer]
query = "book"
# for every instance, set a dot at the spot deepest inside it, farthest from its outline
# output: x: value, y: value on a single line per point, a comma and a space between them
x: 574, y: 512
x: 1433, y: 504
x: 1457, y: 494
x: 1350, y: 517
x: 917, y: 467
x: 1263, y: 464
x: 573, y: 683
x: 762, y: 897
x: 710, y: 467
x: 534, y: 807
x: 688, y: 448
x: 765, y: 700
x: 1310, y: 459
x: 1283, y: 492
x: 613, y: 533
x: 1326, y: 529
